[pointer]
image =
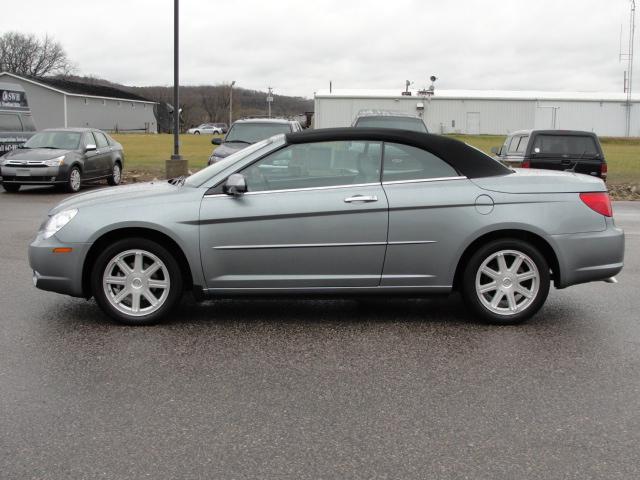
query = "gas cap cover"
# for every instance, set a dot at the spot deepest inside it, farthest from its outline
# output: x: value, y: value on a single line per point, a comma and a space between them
x: 484, y: 204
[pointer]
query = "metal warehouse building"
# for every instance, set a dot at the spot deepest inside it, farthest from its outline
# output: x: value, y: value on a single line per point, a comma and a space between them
x: 487, y: 112
x: 59, y: 103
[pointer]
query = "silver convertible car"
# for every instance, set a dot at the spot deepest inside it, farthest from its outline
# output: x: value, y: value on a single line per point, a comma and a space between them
x: 336, y: 211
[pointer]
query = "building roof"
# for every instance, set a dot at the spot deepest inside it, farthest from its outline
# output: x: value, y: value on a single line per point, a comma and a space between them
x: 480, y: 95
x: 78, y: 88
x: 467, y: 160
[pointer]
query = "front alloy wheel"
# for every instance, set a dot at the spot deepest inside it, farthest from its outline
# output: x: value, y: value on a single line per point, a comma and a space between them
x: 74, y: 181
x: 136, y: 281
x: 506, y: 281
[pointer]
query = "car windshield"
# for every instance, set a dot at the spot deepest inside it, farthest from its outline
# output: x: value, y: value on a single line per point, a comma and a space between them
x: 205, y: 174
x: 403, y: 123
x: 254, y: 132
x: 57, y: 140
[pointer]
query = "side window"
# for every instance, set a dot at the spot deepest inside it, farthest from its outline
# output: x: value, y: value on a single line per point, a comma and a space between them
x: 522, y: 145
x: 101, y: 139
x: 403, y: 162
x: 513, y: 146
x: 505, y: 147
x: 322, y: 164
x: 10, y: 122
x: 88, y: 139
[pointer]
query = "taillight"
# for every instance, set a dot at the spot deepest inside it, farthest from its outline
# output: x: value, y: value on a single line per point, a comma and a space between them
x: 603, y: 171
x: 526, y: 164
x: 598, y: 202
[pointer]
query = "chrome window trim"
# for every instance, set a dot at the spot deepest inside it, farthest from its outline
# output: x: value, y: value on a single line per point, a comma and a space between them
x: 421, y: 180
x: 307, y: 189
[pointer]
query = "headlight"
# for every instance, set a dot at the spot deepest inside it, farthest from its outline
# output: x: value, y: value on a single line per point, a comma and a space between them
x: 57, y: 221
x: 54, y: 162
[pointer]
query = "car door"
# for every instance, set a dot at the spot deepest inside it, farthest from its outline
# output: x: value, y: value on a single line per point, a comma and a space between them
x: 431, y: 212
x: 104, y: 154
x: 315, y: 216
x: 91, y: 166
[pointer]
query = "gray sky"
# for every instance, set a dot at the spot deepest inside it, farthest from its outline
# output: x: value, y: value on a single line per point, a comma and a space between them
x: 298, y: 46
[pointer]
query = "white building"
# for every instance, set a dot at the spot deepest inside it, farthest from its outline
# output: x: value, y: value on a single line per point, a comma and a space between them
x: 487, y: 111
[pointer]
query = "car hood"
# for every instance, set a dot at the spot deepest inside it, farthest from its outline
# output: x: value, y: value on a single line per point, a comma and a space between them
x: 531, y: 180
x: 125, y: 193
x: 227, y: 149
x: 35, y: 154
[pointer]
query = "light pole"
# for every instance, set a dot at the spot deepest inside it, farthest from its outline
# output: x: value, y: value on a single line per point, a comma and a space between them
x: 231, y: 103
x: 270, y: 99
x: 177, y: 166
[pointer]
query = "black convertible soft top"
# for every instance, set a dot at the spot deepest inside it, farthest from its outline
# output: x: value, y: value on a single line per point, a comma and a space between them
x: 465, y: 159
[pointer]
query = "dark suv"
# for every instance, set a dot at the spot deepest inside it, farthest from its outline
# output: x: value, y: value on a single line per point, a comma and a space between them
x: 572, y: 150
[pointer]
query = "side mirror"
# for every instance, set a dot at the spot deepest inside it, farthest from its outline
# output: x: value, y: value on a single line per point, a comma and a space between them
x: 235, y: 185
x: 495, y: 150
x: 90, y: 148
x: 216, y: 141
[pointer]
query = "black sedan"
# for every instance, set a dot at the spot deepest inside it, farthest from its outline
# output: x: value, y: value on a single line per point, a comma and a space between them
x: 65, y: 158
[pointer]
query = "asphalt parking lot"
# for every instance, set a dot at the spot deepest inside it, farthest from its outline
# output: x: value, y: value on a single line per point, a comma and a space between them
x: 378, y: 388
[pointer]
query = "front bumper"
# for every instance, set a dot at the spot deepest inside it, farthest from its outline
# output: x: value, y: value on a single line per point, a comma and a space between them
x: 33, y: 175
x: 58, y: 272
x: 589, y: 257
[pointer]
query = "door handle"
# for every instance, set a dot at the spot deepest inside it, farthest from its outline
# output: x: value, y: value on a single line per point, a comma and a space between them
x: 361, y: 198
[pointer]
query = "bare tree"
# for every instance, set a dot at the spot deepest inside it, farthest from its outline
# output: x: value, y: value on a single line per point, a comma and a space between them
x: 24, y: 54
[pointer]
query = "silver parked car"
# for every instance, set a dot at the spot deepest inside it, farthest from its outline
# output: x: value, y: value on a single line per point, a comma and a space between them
x: 335, y: 211
x: 205, y: 128
x: 65, y: 158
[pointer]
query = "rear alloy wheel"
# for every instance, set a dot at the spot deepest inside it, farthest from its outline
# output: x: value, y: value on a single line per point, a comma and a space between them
x: 136, y: 281
x: 74, y: 181
x: 11, y: 187
x: 116, y: 175
x: 506, y: 281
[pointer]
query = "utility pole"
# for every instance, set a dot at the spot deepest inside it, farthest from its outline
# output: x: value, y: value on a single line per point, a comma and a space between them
x: 231, y: 103
x: 628, y: 83
x: 176, y: 166
x: 269, y: 99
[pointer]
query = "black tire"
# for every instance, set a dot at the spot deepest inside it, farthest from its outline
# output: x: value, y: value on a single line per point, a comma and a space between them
x: 103, y: 261
x: 505, y: 284
x: 115, y: 178
x: 71, y: 185
x: 11, y: 187
x: 196, y: 132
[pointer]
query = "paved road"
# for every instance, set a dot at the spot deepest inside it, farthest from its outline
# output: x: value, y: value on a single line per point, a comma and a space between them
x: 316, y: 389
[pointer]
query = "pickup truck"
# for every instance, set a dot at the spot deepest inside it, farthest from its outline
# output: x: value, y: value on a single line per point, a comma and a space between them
x: 570, y: 150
